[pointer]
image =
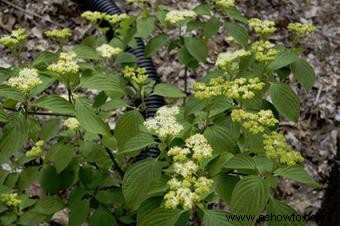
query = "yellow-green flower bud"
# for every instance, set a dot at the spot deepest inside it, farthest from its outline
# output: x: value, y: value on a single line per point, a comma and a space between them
x: 179, y: 16
x: 262, y: 27
x: 224, y: 4
x: 66, y: 65
x: 108, y: 51
x: 11, y: 200
x: 93, y: 17
x: 113, y: 19
x: 264, y: 51
x: 59, y: 34
x: 301, y: 29
x: 36, y: 150
x: 17, y: 37
x: 229, y: 61
x: 72, y: 123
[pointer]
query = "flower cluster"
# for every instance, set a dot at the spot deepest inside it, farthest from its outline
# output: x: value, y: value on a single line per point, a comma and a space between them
x: 108, y: 51
x: 254, y: 122
x: 113, y: 19
x: 165, y: 124
x: 186, y: 187
x: 15, y: 38
x: 11, y: 200
x: 224, y: 4
x: 213, y: 89
x: 179, y: 16
x: 243, y: 88
x: 27, y: 80
x: 301, y: 29
x: 59, y: 34
x: 93, y: 17
x: 36, y: 150
x: 262, y: 27
x: 66, y: 65
x: 276, y: 148
x: 264, y: 51
x: 72, y: 123
x: 138, y: 75
x: 230, y: 61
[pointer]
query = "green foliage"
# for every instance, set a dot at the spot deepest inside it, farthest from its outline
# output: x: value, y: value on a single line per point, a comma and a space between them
x: 74, y: 122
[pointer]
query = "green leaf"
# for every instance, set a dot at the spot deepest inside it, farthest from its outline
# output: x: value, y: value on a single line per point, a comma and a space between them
x: 225, y: 185
x: 145, y: 27
x: 88, y: 119
x: 62, y: 157
x: 155, y: 44
x: 101, y: 83
x: 296, y: 173
x: 167, y: 90
x: 49, y: 129
x: 238, y: 33
x: 11, y: 93
x: 220, y: 139
x: 30, y: 218
x: 282, y: 60
x: 197, y: 48
x: 211, y: 27
x: 147, y: 206
x: 27, y: 177
x: 235, y: 14
x: 3, y: 115
x: 304, y: 73
x: 86, y: 52
x: 55, y: 104
x: 285, y: 101
x: 217, y: 164
x: 126, y: 58
x: 218, y: 218
x: 185, y: 58
x: 241, y: 161
x: 48, y: 205
x: 137, y: 142
x: 137, y: 181
x: 14, y: 136
x: 79, y: 211
x: 161, y: 216
x: 50, y: 180
x: 128, y: 124
x: 203, y: 9
x: 277, y: 208
x: 103, y: 217
x: 44, y: 58
x: 250, y: 196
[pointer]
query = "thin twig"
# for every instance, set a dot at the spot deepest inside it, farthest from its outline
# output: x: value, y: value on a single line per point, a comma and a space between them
x: 115, y: 163
x: 40, y: 113
x: 28, y: 12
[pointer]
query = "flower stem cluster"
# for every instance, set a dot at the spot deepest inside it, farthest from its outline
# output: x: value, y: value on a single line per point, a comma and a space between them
x: 264, y: 51
x: 27, y: 80
x: 230, y: 61
x: 275, y: 147
x: 262, y: 27
x: 254, y: 122
x: 179, y: 16
x: 66, y: 65
x: 241, y: 88
x: 11, y: 200
x: 187, y: 186
x: 301, y: 30
x: 72, y: 123
x: 16, y: 38
x: 59, y: 34
x: 165, y: 124
x: 36, y: 150
x: 107, y: 51
x: 224, y: 4
x: 138, y: 75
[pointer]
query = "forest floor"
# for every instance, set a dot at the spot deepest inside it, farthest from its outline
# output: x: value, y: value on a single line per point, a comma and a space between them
x: 315, y: 136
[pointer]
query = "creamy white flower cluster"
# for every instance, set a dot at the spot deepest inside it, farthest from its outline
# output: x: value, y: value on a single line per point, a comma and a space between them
x: 230, y: 61
x: 11, y: 200
x: 263, y: 27
x: 187, y: 186
x: 275, y: 147
x: 36, y: 150
x: 165, y: 124
x: 264, y: 51
x: 66, y: 65
x: 301, y: 29
x: 179, y: 16
x: 59, y: 34
x: 254, y: 122
x: 15, y: 38
x: 113, y: 19
x: 224, y: 4
x: 95, y: 17
x: 107, y: 51
x: 72, y: 123
x: 27, y: 80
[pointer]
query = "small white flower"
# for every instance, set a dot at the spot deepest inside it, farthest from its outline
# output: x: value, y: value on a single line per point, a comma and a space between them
x: 27, y: 80
x: 72, y: 123
x: 108, y: 51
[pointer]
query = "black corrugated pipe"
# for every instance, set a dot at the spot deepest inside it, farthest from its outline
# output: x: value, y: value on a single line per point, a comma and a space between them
x: 153, y: 102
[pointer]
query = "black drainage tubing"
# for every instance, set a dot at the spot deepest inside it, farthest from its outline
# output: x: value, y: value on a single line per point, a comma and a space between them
x: 153, y: 102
